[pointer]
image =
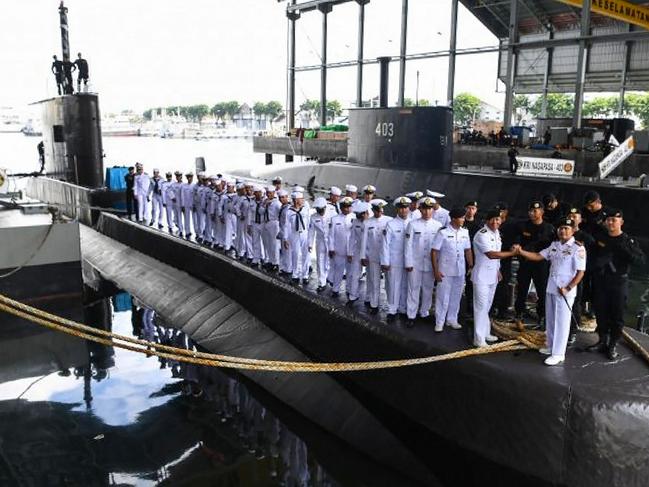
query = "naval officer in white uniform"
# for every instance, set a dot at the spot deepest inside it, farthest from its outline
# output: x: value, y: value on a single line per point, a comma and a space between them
x: 340, y: 227
x: 420, y: 234
x: 371, y: 251
x: 487, y: 249
x: 394, y: 237
x: 451, y: 258
x: 567, y: 265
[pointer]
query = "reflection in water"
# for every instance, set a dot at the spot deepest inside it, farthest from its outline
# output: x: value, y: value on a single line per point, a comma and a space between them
x: 127, y: 419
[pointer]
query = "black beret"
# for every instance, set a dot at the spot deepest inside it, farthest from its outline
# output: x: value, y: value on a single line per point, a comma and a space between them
x: 493, y: 213
x: 614, y: 213
x: 574, y: 210
x: 471, y: 203
x: 565, y: 222
x: 502, y: 205
x: 456, y: 213
x: 535, y: 205
x: 591, y: 196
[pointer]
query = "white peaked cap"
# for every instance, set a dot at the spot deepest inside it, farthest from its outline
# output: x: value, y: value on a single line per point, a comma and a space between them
x: 434, y: 194
x: 320, y: 202
x: 351, y: 188
x: 336, y: 191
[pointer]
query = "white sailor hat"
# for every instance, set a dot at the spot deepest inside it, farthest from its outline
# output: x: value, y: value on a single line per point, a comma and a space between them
x: 335, y: 190
x: 201, y: 174
x: 378, y: 203
x: 189, y: 174
x: 351, y: 188
x: 230, y: 182
x: 297, y: 194
x: 402, y: 202
x: 178, y: 173
x: 270, y: 189
x: 360, y: 207
x: 248, y: 184
x: 240, y: 185
x: 213, y: 177
x: 427, y: 202
x: 298, y: 189
x: 277, y: 179
x: 156, y: 169
x: 434, y: 194
x: 320, y: 203
x: 368, y: 188
x: 257, y: 188
x: 168, y: 173
x: 415, y: 195
x: 282, y: 192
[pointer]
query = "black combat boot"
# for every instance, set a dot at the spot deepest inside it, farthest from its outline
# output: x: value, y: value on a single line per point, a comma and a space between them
x: 600, y: 346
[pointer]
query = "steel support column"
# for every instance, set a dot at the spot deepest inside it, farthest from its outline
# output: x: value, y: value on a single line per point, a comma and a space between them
x: 626, y: 56
x: 359, y: 58
x: 582, y: 60
x: 402, y: 54
x: 325, y: 9
x: 546, y: 78
x: 511, y: 64
x: 450, y: 86
x: 290, y: 105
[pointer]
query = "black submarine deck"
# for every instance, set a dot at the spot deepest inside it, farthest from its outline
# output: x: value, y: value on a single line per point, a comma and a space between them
x: 583, y: 423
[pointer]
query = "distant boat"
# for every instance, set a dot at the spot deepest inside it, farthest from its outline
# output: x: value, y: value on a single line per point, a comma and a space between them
x: 32, y: 130
x: 119, y: 126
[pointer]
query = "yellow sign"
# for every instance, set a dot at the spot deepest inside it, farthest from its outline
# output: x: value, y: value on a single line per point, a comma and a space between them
x: 617, y: 9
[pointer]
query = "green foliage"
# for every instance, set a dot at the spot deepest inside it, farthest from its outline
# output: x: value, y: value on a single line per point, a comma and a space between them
x: 600, y: 107
x: 465, y: 108
x: 334, y: 108
x: 408, y: 102
x: 560, y: 105
x: 638, y: 105
x: 423, y: 102
x: 147, y: 114
x: 274, y: 109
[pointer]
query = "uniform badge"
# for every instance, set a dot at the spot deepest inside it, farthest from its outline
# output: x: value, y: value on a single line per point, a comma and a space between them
x: 385, y: 232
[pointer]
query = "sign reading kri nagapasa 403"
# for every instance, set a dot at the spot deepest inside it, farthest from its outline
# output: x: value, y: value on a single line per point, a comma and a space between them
x: 544, y: 167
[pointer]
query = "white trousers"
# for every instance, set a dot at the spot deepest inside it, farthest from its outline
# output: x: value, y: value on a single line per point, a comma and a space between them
x: 396, y: 288
x: 271, y: 244
x: 240, y: 240
x: 229, y: 230
x: 420, y: 293
x: 178, y: 216
x: 207, y: 228
x: 257, y: 246
x: 142, y: 207
x: 156, y: 209
x: 300, y: 257
x: 337, y: 265
x: 187, y: 217
x: 557, y: 323
x: 169, y: 210
x: 483, y: 296
x: 353, y: 282
x: 197, y: 220
x: 448, y: 294
x: 373, y: 283
x: 322, y: 261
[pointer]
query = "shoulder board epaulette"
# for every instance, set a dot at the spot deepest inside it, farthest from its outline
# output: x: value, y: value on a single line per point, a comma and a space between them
x: 484, y: 230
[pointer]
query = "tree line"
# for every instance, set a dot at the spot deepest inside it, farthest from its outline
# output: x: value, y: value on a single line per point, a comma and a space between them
x: 221, y: 110
x: 466, y: 107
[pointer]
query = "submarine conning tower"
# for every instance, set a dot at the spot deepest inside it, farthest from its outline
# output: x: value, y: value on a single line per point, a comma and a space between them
x: 72, y: 139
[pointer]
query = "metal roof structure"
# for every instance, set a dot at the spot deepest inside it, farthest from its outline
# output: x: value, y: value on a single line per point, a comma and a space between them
x: 545, y: 46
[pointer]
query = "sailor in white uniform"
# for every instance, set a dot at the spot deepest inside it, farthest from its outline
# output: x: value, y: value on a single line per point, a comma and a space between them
x: 187, y: 201
x: 317, y: 237
x: 394, y: 237
x: 351, y: 191
x: 284, y: 254
x: 485, y: 275
x: 415, y: 196
x: 177, y: 201
x: 368, y: 193
x: 141, y: 191
x: 256, y: 224
x: 167, y: 200
x: 371, y: 251
x: 272, y: 207
x: 452, y: 258
x: 277, y: 183
x: 355, y: 245
x: 297, y: 227
x: 228, y: 213
x: 332, y: 205
x: 439, y: 213
x: 567, y: 265
x: 337, y: 240
x: 156, y: 199
x: 420, y: 234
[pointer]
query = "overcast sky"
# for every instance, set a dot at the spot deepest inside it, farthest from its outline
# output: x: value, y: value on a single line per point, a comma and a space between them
x: 146, y: 53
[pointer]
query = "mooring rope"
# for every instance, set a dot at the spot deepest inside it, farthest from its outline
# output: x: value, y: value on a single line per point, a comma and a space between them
x: 104, y: 337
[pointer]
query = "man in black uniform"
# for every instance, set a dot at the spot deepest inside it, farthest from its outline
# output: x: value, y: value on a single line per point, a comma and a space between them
x: 553, y: 209
x: 68, y: 68
x: 41, y: 155
x: 587, y: 241
x: 593, y: 215
x: 533, y: 235
x: 508, y: 228
x: 473, y: 224
x: 513, y: 162
x: 130, y: 182
x: 57, y: 69
x: 613, y: 253
x: 82, y: 72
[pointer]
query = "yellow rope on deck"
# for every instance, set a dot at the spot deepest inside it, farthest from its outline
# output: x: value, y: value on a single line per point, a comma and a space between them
x: 516, y: 341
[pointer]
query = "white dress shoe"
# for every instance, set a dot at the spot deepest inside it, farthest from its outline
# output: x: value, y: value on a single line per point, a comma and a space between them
x: 455, y: 326
x: 439, y: 328
x: 479, y: 344
x: 546, y: 351
x: 554, y: 360
x: 491, y: 338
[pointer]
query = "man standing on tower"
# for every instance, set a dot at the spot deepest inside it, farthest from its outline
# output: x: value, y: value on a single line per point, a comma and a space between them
x: 82, y: 73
